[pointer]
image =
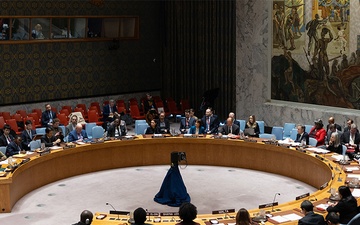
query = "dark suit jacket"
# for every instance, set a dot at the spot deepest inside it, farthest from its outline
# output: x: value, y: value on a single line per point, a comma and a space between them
x: 304, y: 137
x: 312, y: 218
x: 3, y: 141
x: 347, y: 209
x: 111, y: 130
x: 183, y: 124
x: 48, y: 141
x: 345, y: 139
x: 150, y: 130
x: 74, y: 137
x: 338, y: 127
x: 226, y: 129
x: 26, y: 139
x: 148, y: 106
x: 235, y: 122
x: 256, y: 130
x: 12, y: 149
x: 214, y: 124
x: 193, y: 130
x: 162, y: 129
x: 106, y: 112
x: 45, y: 118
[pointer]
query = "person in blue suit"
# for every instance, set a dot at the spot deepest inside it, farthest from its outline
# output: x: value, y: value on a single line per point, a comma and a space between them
x: 198, y: 128
x: 110, y: 111
x: 14, y: 147
x: 302, y: 136
x: 47, y: 116
x: 78, y: 134
x: 187, y: 122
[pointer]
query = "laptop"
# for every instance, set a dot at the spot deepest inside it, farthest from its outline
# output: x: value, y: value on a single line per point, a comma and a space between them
x: 249, y: 131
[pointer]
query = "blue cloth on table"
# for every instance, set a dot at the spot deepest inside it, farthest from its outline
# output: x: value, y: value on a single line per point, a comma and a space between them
x: 173, y: 191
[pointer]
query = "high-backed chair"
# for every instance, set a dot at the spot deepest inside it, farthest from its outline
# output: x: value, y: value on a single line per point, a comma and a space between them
x: 88, y: 129
x: 12, y: 123
x: 242, y: 124
x: 63, y: 119
x: 355, y: 220
x: 35, y: 144
x: 22, y: 112
x: 174, y: 110
x: 65, y: 111
x: 141, y: 128
x: 6, y: 115
x: 185, y: 104
x: 308, y: 128
x: 287, y: 129
x: 36, y: 118
x: 267, y: 136
x: 278, y: 132
x: 312, y: 141
x: 261, y: 126
x: 38, y: 111
x: 2, y: 122
x: 93, y: 117
x: 97, y: 132
x: 135, y: 113
x: 68, y: 107
x: 40, y: 130
x: 293, y: 134
x: 83, y: 106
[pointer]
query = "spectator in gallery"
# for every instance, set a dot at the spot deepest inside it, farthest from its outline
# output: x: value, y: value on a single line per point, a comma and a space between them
x: 37, y: 32
x: 210, y: 122
x: 252, y: 124
x: 187, y: 214
x: 72, y: 124
x: 163, y: 124
x: 149, y: 103
x: 14, y: 147
x: 310, y: 217
x: 332, y: 121
x: 47, y: 116
x: 86, y: 218
x: 109, y: 112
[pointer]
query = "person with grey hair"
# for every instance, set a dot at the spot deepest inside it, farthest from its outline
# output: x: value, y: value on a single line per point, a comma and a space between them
x: 334, y: 143
x: 109, y: 112
x: 351, y: 138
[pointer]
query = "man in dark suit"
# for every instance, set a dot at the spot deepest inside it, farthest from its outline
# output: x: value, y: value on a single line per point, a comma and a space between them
x: 149, y: 103
x: 27, y: 135
x: 302, y: 135
x: 110, y: 111
x: 332, y: 121
x: 47, y: 116
x: 229, y: 128
x: 210, y: 122
x: 6, y: 137
x: 331, y: 129
x: 187, y: 122
x: 14, y: 147
x: 351, y: 138
x: 163, y: 124
x: 117, y: 129
x: 232, y: 116
x: 78, y: 134
x: 332, y: 218
x: 310, y: 217
x: 49, y: 139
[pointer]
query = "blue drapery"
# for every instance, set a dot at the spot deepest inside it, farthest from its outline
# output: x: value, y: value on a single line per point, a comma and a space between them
x: 173, y: 191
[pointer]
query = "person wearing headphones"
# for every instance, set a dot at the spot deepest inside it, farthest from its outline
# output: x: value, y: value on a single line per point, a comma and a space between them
x: 86, y: 218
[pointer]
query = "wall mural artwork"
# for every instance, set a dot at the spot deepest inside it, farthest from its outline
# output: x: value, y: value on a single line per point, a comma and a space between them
x: 326, y: 71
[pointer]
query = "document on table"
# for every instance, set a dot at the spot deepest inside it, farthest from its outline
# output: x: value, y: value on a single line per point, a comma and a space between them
x: 292, y: 216
x: 318, y: 150
x: 351, y: 168
x: 356, y: 192
x: 354, y: 176
x: 322, y: 207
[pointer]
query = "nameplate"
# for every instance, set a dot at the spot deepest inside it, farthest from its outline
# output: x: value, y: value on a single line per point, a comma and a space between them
x: 223, y: 211
x: 119, y: 212
x: 300, y: 150
x: 319, y: 157
x: 250, y: 140
x: 268, y: 205
x: 97, y: 142
x: 324, y: 186
x: 190, y: 136
x: 169, y: 214
x: 158, y: 136
x: 330, y: 166
x: 25, y: 161
x: 302, y: 196
x: 45, y: 152
x: 152, y: 214
x: 69, y: 145
x: 269, y: 142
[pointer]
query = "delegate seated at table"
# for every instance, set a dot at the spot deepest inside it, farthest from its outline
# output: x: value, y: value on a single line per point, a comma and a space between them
x: 78, y: 134
x: 351, y: 138
x: 302, y: 135
x: 49, y: 139
x: 198, y: 128
x: 14, y: 147
x: 229, y: 128
x: 153, y: 129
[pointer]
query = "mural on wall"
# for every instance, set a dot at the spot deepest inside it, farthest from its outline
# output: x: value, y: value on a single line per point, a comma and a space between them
x: 332, y: 74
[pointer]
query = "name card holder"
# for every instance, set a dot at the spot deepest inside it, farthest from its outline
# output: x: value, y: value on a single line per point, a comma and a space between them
x: 302, y: 196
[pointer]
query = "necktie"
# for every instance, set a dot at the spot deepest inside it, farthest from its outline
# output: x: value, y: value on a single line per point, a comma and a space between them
x: 29, y: 132
x: 187, y: 122
x: 208, y: 123
x: 119, y: 131
x: 8, y: 139
x: 230, y: 130
x: 50, y: 116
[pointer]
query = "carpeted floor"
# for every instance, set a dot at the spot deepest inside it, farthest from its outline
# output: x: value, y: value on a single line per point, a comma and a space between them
x: 210, y: 188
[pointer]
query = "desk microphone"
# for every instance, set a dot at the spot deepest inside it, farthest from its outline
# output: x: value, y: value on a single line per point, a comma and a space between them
x: 114, y: 210
x: 315, y: 199
x: 147, y: 212
x: 272, y: 208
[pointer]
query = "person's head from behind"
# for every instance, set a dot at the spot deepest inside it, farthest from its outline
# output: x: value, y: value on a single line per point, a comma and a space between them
x: 306, y: 206
x: 86, y: 217
x: 331, y: 120
x: 242, y: 217
x: 187, y: 212
x: 353, y: 128
x: 140, y: 216
x: 332, y: 218
x: 344, y: 191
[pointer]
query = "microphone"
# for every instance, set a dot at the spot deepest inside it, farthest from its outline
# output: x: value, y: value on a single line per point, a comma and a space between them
x: 272, y: 208
x: 315, y: 199
x: 114, y: 210
x: 147, y: 212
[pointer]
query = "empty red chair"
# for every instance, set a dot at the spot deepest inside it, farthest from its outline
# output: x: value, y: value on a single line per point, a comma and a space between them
x: 64, y: 111
x: 83, y: 106
x: 67, y: 107
x: 36, y: 118
x: 38, y: 111
x: 22, y: 113
x: 98, y: 109
x: 93, y: 117
x: 184, y: 103
x: 6, y: 115
x: 54, y: 109
x: 63, y: 119
x: 135, y: 113
x: 2, y: 122
x: 12, y: 123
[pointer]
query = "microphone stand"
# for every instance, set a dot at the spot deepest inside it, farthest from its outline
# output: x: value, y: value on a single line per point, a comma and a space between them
x: 272, y: 208
x: 114, y: 210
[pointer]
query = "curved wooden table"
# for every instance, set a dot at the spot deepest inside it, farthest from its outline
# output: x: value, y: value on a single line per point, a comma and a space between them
x: 89, y: 158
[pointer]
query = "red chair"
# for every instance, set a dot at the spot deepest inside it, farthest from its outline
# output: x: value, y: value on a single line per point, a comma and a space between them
x: 67, y: 107
x: 173, y: 109
x: 2, y: 122
x: 77, y: 109
x: 133, y: 101
x: 97, y: 104
x: 106, y: 102
x: 6, y: 115
x: 22, y: 113
x: 54, y: 109
x: 93, y: 117
x: 63, y: 119
x: 64, y: 111
x: 35, y: 116
x: 38, y: 111
x: 31, y: 119
x: 12, y: 123
x: 184, y: 103
x: 96, y: 109
x: 121, y: 109
x: 120, y: 102
x: 83, y: 106
x: 135, y: 113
